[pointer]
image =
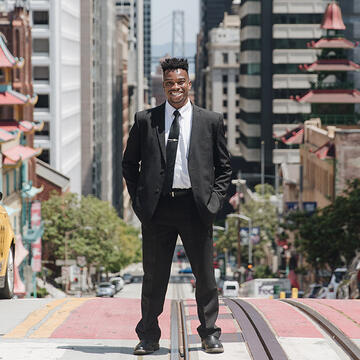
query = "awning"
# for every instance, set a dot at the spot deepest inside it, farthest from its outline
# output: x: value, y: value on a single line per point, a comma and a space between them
x: 329, y: 96
x: 332, y: 43
x: 11, y: 97
x: 17, y: 153
x: 331, y: 65
x: 325, y: 151
x: 6, y: 58
x: 294, y: 136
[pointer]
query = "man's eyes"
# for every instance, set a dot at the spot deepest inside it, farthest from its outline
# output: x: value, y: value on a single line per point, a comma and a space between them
x: 170, y: 84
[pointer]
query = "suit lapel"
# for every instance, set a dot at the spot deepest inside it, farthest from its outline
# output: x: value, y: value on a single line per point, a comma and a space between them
x: 195, y: 129
x: 160, y: 129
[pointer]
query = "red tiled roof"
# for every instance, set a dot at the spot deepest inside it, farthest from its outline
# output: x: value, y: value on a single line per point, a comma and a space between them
x: 6, y: 136
x: 330, y: 96
x: 11, y: 97
x: 332, y: 43
x: 294, y: 136
x: 6, y: 58
x: 17, y: 153
x: 331, y: 65
x: 24, y: 126
x: 332, y: 19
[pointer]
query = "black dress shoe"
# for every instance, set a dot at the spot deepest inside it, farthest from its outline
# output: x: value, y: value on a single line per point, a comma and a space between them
x: 146, y: 347
x: 212, y: 345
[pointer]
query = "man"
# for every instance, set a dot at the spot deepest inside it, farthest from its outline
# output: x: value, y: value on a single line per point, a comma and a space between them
x: 177, y: 189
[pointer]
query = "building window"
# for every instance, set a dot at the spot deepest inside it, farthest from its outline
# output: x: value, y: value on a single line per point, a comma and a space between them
x: 2, y: 76
x: 236, y: 78
x: 238, y: 115
x: 225, y: 90
x: 40, y: 17
x: 41, y: 73
x: 43, y: 102
x: 225, y: 57
x: 237, y: 103
x: 225, y: 103
x: 45, y: 156
x: 41, y: 46
x: 225, y: 78
x: 225, y: 116
x: 237, y: 57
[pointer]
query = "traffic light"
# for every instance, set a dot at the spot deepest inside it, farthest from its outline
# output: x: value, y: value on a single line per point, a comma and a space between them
x: 250, y: 266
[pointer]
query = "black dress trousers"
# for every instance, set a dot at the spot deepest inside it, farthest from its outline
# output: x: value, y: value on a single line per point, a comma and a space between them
x: 173, y: 217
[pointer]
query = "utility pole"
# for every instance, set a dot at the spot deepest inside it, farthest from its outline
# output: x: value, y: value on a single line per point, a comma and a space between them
x: 238, y: 182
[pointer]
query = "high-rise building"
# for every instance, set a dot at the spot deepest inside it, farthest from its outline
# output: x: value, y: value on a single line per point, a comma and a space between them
x: 98, y: 46
x: 211, y: 14
x: 274, y: 38
x: 56, y: 74
x: 222, y: 76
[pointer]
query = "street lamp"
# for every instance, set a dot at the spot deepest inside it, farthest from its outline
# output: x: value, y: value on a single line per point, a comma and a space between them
x: 221, y: 228
x: 246, y: 218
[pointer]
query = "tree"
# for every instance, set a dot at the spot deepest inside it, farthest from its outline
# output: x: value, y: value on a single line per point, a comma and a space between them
x: 332, y: 233
x: 89, y: 227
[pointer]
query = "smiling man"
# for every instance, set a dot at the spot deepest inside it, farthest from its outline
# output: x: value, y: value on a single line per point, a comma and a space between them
x: 177, y: 171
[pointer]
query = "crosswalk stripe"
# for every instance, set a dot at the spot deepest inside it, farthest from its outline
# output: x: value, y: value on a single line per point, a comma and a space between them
x: 33, y: 319
x: 57, y: 318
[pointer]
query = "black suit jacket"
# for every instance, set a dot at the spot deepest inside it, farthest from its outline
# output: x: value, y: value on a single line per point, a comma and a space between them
x: 144, y: 161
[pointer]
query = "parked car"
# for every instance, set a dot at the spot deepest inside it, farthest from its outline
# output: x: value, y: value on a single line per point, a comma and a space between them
x: 348, y: 287
x: 336, y: 278
x: 128, y: 278
x: 105, y: 289
x: 118, y: 282
x: 7, y: 255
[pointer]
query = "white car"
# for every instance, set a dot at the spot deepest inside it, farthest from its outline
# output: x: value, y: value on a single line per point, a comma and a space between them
x: 118, y: 282
x: 336, y: 277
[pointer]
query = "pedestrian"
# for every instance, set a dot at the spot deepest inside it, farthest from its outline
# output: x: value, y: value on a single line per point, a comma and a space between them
x: 177, y: 171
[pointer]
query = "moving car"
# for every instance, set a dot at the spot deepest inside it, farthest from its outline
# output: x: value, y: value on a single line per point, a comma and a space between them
x: 7, y: 255
x: 118, y: 282
x: 128, y: 278
x: 105, y: 289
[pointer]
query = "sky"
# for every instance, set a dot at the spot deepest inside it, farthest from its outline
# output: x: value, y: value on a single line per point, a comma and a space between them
x: 161, y: 20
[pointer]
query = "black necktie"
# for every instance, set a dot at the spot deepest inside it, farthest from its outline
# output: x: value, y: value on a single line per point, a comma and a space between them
x: 171, y: 148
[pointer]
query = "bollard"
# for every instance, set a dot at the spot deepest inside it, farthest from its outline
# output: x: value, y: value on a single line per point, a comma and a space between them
x: 271, y: 297
x: 282, y: 295
x: 294, y: 293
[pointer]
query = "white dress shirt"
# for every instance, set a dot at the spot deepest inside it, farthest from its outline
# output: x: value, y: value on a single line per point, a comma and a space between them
x: 181, y: 172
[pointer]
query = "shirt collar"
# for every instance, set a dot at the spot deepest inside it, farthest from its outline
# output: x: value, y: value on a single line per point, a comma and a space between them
x: 170, y: 109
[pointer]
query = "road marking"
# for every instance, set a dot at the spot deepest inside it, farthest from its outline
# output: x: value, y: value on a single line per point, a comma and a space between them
x: 34, y: 318
x: 57, y: 318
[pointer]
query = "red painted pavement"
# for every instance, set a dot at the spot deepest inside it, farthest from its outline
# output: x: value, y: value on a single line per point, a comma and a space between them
x: 285, y: 320
x: 344, y: 314
x: 108, y: 319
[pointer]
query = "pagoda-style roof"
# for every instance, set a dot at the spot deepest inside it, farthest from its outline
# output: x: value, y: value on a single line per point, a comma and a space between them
x: 6, y: 136
x: 18, y: 153
x: 332, y: 19
x: 12, y: 97
x: 294, y: 136
x: 331, y: 65
x: 332, y: 43
x: 325, y: 96
x: 6, y: 58
x: 24, y: 126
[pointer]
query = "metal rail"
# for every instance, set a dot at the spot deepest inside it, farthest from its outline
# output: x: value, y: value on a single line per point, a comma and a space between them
x: 335, y: 333
x: 184, y: 334
x: 260, y: 339
x: 174, y: 331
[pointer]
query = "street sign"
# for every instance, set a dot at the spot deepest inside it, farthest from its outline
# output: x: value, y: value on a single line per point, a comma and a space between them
x: 61, y: 262
x: 81, y: 261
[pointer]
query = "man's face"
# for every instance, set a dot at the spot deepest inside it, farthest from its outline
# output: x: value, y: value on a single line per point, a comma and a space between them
x: 176, y: 85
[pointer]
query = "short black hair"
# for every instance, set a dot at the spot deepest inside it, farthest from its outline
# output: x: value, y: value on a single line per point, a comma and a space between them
x: 170, y: 64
